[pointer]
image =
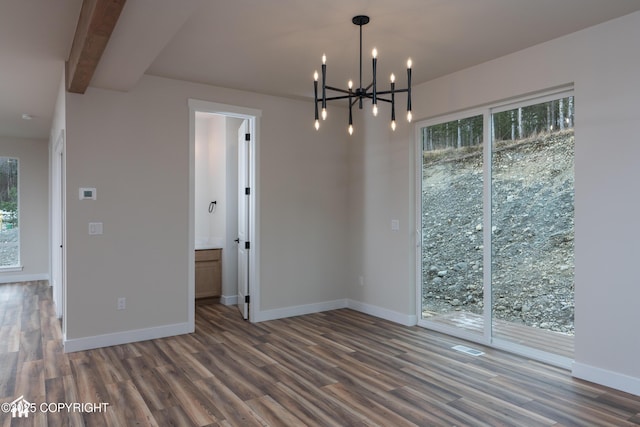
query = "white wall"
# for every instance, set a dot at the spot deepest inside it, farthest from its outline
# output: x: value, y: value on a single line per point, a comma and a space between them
x: 602, y: 64
x: 134, y: 148
x: 202, y: 224
x: 380, y: 188
x: 210, y: 176
x: 33, y: 202
x: 217, y: 174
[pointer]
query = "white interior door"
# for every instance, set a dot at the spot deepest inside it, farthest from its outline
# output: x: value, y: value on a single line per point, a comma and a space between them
x: 243, y: 219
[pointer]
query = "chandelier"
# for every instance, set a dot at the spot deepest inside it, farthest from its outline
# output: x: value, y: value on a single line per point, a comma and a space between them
x: 358, y: 94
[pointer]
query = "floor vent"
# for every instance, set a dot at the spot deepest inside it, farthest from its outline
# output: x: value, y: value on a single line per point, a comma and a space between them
x: 468, y: 350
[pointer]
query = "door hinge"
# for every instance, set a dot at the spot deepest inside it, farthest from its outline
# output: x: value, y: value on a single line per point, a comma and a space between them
x: 246, y: 299
x: 247, y: 137
x: 247, y: 245
x: 247, y: 191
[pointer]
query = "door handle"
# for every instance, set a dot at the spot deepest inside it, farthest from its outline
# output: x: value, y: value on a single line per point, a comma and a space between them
x: 237, y: 240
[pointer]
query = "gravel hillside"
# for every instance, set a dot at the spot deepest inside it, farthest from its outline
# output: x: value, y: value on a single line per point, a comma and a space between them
x: 532, y: 232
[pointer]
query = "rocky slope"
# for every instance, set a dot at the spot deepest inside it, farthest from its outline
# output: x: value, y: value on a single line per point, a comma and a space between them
x: 532, y: 232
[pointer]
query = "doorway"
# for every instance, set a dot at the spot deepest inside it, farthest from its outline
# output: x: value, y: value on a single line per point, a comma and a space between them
x: 234, y: 210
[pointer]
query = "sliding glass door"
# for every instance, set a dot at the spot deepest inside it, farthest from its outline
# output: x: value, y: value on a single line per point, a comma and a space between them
x: 452, y: 242
x: 532, y: 224
x: 496, y: 221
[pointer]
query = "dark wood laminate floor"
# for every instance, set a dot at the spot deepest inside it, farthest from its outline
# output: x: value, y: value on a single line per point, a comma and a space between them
x: 337, y: 368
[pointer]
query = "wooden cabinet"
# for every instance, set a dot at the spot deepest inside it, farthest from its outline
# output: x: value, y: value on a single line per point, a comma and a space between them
x: 208, y: 273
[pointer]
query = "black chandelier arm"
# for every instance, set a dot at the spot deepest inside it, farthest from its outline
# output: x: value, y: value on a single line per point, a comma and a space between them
x: 368, y: 87
x: 363, y: 93
x: 333, y: 98
x: 380, y: 99
x: 356, y: 97
x: 336, y: 89
x: 387, y: 92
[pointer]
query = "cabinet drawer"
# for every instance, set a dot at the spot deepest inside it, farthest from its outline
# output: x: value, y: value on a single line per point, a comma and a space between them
x: 208, y: 255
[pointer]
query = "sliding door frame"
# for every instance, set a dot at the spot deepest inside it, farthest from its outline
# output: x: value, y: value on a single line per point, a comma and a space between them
x: 486, y: 338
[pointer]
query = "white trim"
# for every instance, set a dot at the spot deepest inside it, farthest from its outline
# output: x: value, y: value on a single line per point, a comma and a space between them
x: 299, y: 310
x: 383, y: 313
x: 57, y: 225
x: 607, y: 378
x: 487, y: 219
x: 224, y: 109
x: 538, y: 98
x: 371, y: 310
x: 11, y: 269
x: 23, y: 278
x: 191, y: 239
x: 125, y: 337
x: 229, y: 299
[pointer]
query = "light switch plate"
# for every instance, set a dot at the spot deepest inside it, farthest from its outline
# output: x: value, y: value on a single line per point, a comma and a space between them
x: 95, y: 228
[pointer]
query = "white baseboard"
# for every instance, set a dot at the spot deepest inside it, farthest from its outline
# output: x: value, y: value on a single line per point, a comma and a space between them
x: 383, y: 313
x: 15, y: 278
x: 607, y: 378
x: 299, y: 310
x: 125, y: 337
x: 229, y: 299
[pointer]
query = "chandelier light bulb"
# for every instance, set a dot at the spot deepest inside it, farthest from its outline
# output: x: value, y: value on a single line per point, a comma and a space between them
x: 374, y: 53
x: 324, y: 114
x: 393, y: 78
x: 317, y: 124
x: 324, y: 59
x: 409, y: 63
x: 350, y: 129
x: 350, y: 84
x: 375, y: 109
x: 315, y: 75
x: 409, y: 116
x: 393, y: 125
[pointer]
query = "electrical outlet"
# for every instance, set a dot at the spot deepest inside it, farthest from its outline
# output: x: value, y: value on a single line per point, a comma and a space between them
x: 122, y: 303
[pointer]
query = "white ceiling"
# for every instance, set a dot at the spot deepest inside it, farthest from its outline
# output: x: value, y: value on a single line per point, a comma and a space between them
x: 270, y: 46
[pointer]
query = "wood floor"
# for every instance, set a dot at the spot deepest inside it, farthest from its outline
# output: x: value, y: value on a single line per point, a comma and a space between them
x: 338, y: 368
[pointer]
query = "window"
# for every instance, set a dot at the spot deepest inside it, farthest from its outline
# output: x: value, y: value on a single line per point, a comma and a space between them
x: 9, y: 217
x: 497, y: 225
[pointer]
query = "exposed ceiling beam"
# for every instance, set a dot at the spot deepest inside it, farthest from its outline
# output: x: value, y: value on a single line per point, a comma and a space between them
x: 96, y: 23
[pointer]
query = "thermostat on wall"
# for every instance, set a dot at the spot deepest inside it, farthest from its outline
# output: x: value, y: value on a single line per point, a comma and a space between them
x: 87, y: 193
